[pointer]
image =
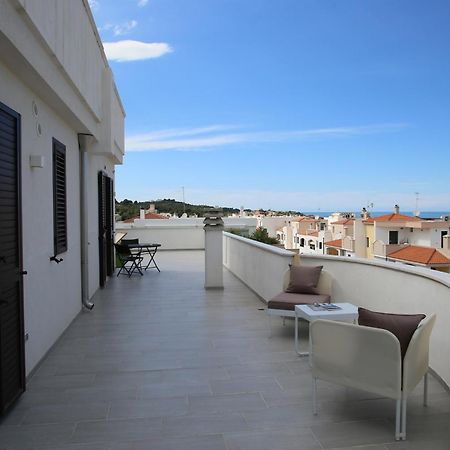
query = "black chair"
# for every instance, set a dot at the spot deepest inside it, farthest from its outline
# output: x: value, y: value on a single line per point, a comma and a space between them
x: 129, y: 261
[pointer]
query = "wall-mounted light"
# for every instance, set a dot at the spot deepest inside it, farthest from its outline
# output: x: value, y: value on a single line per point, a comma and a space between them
x: 37, y: 161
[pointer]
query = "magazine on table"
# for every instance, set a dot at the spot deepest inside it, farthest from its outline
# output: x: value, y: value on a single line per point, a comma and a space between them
x: 324, y: 307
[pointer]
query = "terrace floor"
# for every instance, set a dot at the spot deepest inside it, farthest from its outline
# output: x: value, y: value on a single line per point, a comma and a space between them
x: 162, y: 364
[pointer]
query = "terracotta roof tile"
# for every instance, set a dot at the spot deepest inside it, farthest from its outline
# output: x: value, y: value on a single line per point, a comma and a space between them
x: 392, y: 218
x: 148, y: 215
x: 305, y: 219
x: 343, y: 222
x: 421, y: 255
x: 335, y: 243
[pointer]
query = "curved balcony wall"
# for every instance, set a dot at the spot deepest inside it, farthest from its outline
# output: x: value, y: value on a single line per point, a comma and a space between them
x: 377, y: 285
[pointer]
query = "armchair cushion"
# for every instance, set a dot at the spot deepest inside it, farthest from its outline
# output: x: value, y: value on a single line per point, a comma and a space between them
x: 303, y: 279
x: 402, y: 326
x: 287, y: 301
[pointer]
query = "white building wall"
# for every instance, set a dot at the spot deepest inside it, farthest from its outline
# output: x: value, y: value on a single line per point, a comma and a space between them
x: 49, y: 55
x: 428, y: 237
x: 52, y: 292
x: 272, y: 224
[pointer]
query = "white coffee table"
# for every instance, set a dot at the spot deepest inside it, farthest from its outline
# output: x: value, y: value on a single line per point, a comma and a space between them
x: 346, y: 313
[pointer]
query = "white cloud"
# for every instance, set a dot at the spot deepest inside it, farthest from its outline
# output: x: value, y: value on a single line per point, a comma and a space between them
x: 105, y: 27
x: 142, y: 3
x: 128, y: 50
x: 124, y: 28
x: 205, y: 138
x: 94, y: 5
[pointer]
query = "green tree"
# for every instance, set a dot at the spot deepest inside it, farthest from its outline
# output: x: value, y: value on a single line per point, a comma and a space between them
x: 261, y: 235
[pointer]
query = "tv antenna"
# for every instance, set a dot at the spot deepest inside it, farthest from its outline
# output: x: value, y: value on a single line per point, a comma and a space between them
x: 417, y: 212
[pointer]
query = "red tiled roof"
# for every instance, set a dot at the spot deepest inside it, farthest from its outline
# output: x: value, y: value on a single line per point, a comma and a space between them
x: 421, y: 255
x: 305, y: 219
x: 148, y: 215
x: 343, y: 222
x: 313, y: 233
x: 392, y: 218
x: 335, y: 243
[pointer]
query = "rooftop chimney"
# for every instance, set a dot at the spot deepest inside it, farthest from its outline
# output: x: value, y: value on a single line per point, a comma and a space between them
x: 142, y: 214
x: 396, y: 209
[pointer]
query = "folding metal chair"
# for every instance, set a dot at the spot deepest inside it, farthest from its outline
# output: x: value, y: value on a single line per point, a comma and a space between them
x: 130, y: 262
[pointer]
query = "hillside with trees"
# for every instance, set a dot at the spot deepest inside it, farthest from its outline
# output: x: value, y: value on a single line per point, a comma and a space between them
x: 128, y: 208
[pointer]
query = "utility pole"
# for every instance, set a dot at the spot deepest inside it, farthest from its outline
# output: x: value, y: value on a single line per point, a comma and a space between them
x: 417, y: 212
x: 184, y: 204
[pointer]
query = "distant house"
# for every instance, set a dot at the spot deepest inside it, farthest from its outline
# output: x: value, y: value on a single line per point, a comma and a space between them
x: 146, y: 216
x: 61, y: 135
x: 421, y: 256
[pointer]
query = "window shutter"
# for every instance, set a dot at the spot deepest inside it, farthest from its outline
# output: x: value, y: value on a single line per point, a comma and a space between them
x: 59, y: 198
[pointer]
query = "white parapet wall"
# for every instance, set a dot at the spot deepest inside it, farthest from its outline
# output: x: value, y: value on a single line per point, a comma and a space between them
x: 170, y: 236
x: 259, y: 266
x: 397, y: 288
x: 178, y: 234
x: 376, y: 285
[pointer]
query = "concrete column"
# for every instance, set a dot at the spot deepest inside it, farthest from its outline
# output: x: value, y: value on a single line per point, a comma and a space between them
x: 213, y: 249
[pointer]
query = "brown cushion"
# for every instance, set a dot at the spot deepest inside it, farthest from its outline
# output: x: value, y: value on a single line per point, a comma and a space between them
x: 400, y: 325
x: 287, y: 301
x: 304, y: 279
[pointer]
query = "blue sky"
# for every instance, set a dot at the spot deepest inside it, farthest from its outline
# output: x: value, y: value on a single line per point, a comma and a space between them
x: 296, y: 104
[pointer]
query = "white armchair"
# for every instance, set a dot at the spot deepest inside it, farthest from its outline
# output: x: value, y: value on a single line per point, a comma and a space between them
x: 324, y: 289
x: 369, y: 359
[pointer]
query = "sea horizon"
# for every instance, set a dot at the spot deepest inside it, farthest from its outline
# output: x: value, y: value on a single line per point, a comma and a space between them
x: 423, y: 214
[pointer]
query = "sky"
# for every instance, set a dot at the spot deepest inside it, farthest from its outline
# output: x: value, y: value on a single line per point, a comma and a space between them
x: 296, y: 104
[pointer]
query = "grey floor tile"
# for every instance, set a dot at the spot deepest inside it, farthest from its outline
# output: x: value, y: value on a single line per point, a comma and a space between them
x: 116, y: 430
x: 213, y: 442
x: 284, y: 417
x: 34, y: 435
x: 213, y: 404
x: 167, y: 390
x: 245, y: 385
x: 295, y: 439
x: 348, y: 434
x: 162, y: 364
x: 65, y: 413
x: 204, y: 424
x: 146, y: 408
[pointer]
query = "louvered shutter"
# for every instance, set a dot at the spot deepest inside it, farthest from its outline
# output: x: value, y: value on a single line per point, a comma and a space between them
x: 59, y: 198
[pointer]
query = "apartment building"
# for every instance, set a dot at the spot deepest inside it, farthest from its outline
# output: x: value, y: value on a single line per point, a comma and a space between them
x: 408, y: 239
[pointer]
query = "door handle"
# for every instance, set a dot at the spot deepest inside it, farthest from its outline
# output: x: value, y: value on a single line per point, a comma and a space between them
x: 3, y: 259
x: 23, y: 272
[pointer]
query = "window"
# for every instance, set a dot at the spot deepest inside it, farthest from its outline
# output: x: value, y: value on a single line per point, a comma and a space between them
x: 320, y: 245
x: 302, y: 242
x: 59, y: 198
x: 367, y: 242
x: 443, y: 233
x: 393, y: 237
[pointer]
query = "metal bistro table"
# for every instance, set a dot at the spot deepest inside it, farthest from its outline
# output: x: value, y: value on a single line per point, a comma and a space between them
x: 346, y: 313
x: 147, y: 249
